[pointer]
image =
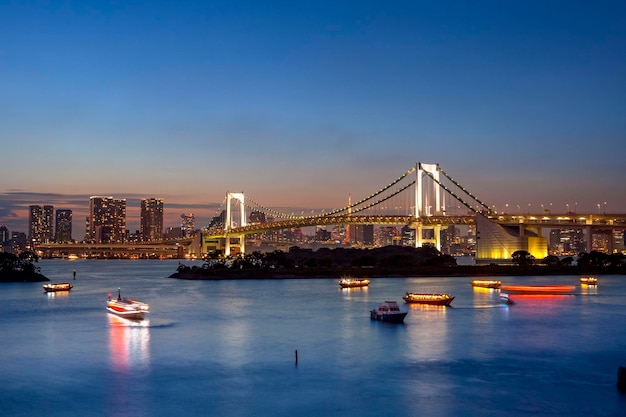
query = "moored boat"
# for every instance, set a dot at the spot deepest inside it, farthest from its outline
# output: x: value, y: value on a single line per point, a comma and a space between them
x: 388, y: 311
x: 486, y: 283
x: 539, y: 289
x: 428, y: 298
x: 589, y: 280
x: 59, y: 286
x: 348, y: 282
x: 127, y: 308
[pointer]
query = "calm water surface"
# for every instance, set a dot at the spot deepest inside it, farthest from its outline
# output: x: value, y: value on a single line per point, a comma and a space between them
x: 227, y: 348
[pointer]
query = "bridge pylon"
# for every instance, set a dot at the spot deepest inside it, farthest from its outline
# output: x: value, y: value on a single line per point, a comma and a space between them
x: 427, y: 203
x: 230, y: 222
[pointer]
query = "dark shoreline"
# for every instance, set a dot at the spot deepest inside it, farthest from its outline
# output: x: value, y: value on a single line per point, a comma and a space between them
x: 22, y: 277
x: 425, y: 271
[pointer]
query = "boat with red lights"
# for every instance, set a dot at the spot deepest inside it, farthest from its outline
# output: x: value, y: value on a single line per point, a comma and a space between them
x: 59, y: 286
x: 486, y: 283
x: 348, y: 282
x: 589, y: 280
x: 538, y: 289
x: 388, y: 311
x: 426, y: 298
x: 127, y: 308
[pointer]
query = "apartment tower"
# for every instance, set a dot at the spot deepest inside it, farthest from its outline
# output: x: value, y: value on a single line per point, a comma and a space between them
x: 151, y: 220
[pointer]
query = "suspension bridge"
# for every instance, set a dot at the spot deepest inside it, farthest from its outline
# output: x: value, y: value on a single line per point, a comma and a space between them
x: 424, y: 198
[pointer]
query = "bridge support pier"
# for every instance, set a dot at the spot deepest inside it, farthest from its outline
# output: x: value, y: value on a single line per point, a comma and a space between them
x: 435, y: 240
x: 232, y: 242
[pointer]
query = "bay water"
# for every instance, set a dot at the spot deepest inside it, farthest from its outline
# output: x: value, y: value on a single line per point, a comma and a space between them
x: 229, y: 348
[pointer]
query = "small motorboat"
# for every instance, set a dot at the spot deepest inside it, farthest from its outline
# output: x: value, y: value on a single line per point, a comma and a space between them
x: 127, y: 308
x: 59, y: 286
x: 348, y: 282
x: 428, y: 298
x: 506, y: 299
x: 485, y: 283
x: 388, y: 311
x: 589, y: 280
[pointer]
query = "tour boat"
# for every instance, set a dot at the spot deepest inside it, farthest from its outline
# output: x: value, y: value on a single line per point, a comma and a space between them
x: 432, y: 299
x: 388, y: 311
x: 60, y: 286
x: 347, y: 282
x: 589, y: 280
x: 539, y: 289
x: 484, y: 283
x: 127, y: 308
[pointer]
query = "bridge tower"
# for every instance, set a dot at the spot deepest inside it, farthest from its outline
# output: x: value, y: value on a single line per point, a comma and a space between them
x: 427, y: 203
x: 237, y: 241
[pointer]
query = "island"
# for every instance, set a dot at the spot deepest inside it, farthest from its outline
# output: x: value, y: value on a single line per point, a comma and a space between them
x: 388, y: 261
x: 20, y: 268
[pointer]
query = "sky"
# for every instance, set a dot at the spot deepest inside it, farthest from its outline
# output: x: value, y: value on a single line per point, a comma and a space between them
x: 299, y: 104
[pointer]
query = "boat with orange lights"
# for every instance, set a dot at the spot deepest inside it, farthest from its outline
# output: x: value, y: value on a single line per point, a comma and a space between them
x: 589, y: 280
x: 539, y: 289
x: 59, y: 286
x: 424, y: 298
x: 349, y: 282
x: 388, y: 311
x: 127, y: 308
x: 486, y: 283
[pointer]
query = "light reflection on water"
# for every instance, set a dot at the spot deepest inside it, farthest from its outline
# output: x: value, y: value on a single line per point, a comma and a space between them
x: 129, y: 343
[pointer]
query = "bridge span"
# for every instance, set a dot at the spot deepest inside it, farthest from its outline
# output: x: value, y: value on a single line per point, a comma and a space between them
x: 430, y: 200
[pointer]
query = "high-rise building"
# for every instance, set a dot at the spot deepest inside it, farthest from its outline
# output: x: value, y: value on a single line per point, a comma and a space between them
x: 187, y: 224
x: 107, y: 219
x: 40, y: 224
x: 361, y: 234
x: 4, y: 234
x: 151, y: 219
x: 63, y: 226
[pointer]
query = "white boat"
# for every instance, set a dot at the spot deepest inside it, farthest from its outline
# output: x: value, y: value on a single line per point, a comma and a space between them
x: 127, y: 308
x: 388, y: 311
x: 506, y: 299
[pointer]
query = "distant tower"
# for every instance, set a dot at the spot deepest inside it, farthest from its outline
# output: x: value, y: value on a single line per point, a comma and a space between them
x: 40, y: 224
x: 151, y: 219
x: 63, y: 226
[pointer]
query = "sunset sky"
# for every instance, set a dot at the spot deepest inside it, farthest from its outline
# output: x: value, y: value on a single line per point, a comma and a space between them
x: 301, y: 103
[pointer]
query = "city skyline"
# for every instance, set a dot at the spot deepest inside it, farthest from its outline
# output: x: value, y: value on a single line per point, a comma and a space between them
x: 301, y: 105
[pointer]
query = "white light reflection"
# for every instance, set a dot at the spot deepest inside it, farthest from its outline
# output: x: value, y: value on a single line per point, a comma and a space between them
x: 430, y: 344
x: 129, y: 343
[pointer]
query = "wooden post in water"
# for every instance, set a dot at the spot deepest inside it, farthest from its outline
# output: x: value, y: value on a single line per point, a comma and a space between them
x: 296, y: 356
x: 621, y: 378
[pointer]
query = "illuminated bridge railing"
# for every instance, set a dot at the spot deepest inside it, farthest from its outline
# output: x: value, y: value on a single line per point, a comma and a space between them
x: 605, y: 221
x: 563, y: 220
x: 389, y: 220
